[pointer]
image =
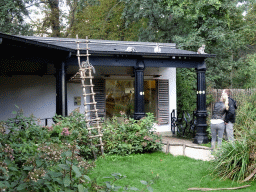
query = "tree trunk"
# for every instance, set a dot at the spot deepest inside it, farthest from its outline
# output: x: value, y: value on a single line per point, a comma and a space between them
x: 55, y: 17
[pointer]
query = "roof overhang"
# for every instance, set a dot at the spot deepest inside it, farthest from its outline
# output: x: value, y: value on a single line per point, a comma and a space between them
x: 108, y: 48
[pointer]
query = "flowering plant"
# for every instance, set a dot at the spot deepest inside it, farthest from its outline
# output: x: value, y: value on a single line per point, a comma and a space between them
x: 131, y: 136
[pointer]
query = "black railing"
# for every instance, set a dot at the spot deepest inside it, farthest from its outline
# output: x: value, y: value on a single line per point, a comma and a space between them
x: 29, y: 121
x: 183, y: 124
x: 46, y: 121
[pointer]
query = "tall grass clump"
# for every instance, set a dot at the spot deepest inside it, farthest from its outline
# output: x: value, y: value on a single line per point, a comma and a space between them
x: 237, y: 160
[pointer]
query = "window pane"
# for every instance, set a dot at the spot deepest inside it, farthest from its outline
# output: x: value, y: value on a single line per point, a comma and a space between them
x: 120, y: 97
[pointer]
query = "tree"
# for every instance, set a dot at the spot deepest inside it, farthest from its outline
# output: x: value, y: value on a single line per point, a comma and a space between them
x: 12, y: 17
x: 50, y: 23
x: 103, y: 20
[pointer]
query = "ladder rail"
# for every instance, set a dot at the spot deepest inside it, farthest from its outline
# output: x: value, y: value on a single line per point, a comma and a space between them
x: 90, y: 107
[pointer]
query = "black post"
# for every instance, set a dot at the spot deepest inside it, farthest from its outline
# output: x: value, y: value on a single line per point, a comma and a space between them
x: 201, y: 114
x: 139, y: 90
x: 61, y: 89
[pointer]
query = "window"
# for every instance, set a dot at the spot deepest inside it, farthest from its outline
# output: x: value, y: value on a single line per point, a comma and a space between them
x: 120, y: 97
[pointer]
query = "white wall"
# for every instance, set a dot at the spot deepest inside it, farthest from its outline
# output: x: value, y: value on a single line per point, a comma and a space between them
x: 34, y: 95
x: 75, y: 90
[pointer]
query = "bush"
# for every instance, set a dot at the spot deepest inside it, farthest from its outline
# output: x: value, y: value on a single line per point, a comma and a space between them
x: 131, y: 136
x: 237, y: 160
x: 35, y: 158
x: 52, y: 158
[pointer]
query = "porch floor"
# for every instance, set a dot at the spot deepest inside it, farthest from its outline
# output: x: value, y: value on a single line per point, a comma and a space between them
x: 177, y: 146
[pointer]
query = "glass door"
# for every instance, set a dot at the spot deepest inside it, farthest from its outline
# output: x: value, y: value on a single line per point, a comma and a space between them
x: 120, y: 97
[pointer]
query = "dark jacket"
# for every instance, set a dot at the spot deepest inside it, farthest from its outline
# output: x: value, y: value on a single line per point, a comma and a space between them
x: 219, y: 111
x: 231, y: 113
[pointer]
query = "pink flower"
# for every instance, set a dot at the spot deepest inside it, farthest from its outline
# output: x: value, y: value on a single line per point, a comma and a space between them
x: 65, y: 131
x: 122, y: 112
x: 144, y: 144
x: 50, y: 128
x: 148, y: 138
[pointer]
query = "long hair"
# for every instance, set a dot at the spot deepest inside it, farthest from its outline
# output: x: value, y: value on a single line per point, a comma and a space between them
x: 224, y: 99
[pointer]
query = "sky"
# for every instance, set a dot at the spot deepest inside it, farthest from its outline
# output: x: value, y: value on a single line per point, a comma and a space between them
x: 34, y: 12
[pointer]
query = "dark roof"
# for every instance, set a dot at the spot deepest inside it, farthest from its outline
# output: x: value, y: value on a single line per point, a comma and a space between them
x: 107, y: 46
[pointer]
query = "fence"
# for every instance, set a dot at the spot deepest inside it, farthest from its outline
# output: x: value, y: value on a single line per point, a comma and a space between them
x: 235, y: 94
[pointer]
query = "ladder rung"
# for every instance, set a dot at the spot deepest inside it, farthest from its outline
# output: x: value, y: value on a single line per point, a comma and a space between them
x: 85, y: 94
x: 81, y: 55
x: 95, y: 136
x: 94, y: 128
x: 88, y: 85
x: 99, y: 145
x: 93, y: 110
x: 87, y: 77
x: 93, y: 103
x: 93, y: 120
x: 83, y: 69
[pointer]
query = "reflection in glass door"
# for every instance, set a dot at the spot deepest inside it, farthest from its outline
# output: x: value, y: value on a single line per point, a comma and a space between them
x: 120, y: 97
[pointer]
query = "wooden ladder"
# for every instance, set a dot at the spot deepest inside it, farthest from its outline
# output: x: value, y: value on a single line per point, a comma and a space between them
x: 91, y: 113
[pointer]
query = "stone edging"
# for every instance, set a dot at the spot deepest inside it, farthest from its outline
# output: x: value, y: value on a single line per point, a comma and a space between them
x: 202, y: 153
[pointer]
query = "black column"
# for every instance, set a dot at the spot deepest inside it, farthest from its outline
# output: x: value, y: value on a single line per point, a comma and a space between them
x: 201, y: 114
x: 61, y: 89
x: 139, y: 90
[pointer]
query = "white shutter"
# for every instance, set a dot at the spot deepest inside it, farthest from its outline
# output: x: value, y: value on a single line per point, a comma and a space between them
x: 163, y: 101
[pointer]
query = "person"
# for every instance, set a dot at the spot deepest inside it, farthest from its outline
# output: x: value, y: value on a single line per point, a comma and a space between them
x: 230, y: 116
x: 217, y: 121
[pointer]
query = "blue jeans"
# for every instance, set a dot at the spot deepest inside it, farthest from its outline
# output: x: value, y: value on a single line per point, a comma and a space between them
x: 217, y: 129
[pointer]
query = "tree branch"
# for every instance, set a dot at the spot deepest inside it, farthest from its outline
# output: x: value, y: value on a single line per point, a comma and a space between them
x: 217, y: 189
x: 250, y: 176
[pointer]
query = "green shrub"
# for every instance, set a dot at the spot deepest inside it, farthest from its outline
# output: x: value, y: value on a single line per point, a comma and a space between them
x: 52, y: 158
x: 73, y: 128
x: 35, y: 158
x: 131, y: 136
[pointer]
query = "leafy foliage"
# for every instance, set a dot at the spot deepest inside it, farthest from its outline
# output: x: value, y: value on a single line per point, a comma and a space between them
x: 12, y: 17
x: 103, y: 20
x: 186, y: 83
x: 131, y: 136
x: 52, y: 158
x: 35, y: 158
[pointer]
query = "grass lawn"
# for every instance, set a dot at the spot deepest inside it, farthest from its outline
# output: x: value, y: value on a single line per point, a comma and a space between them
x: 175, y: 173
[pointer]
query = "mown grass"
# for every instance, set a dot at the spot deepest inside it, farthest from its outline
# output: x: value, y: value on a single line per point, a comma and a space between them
x: 176, y: 174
